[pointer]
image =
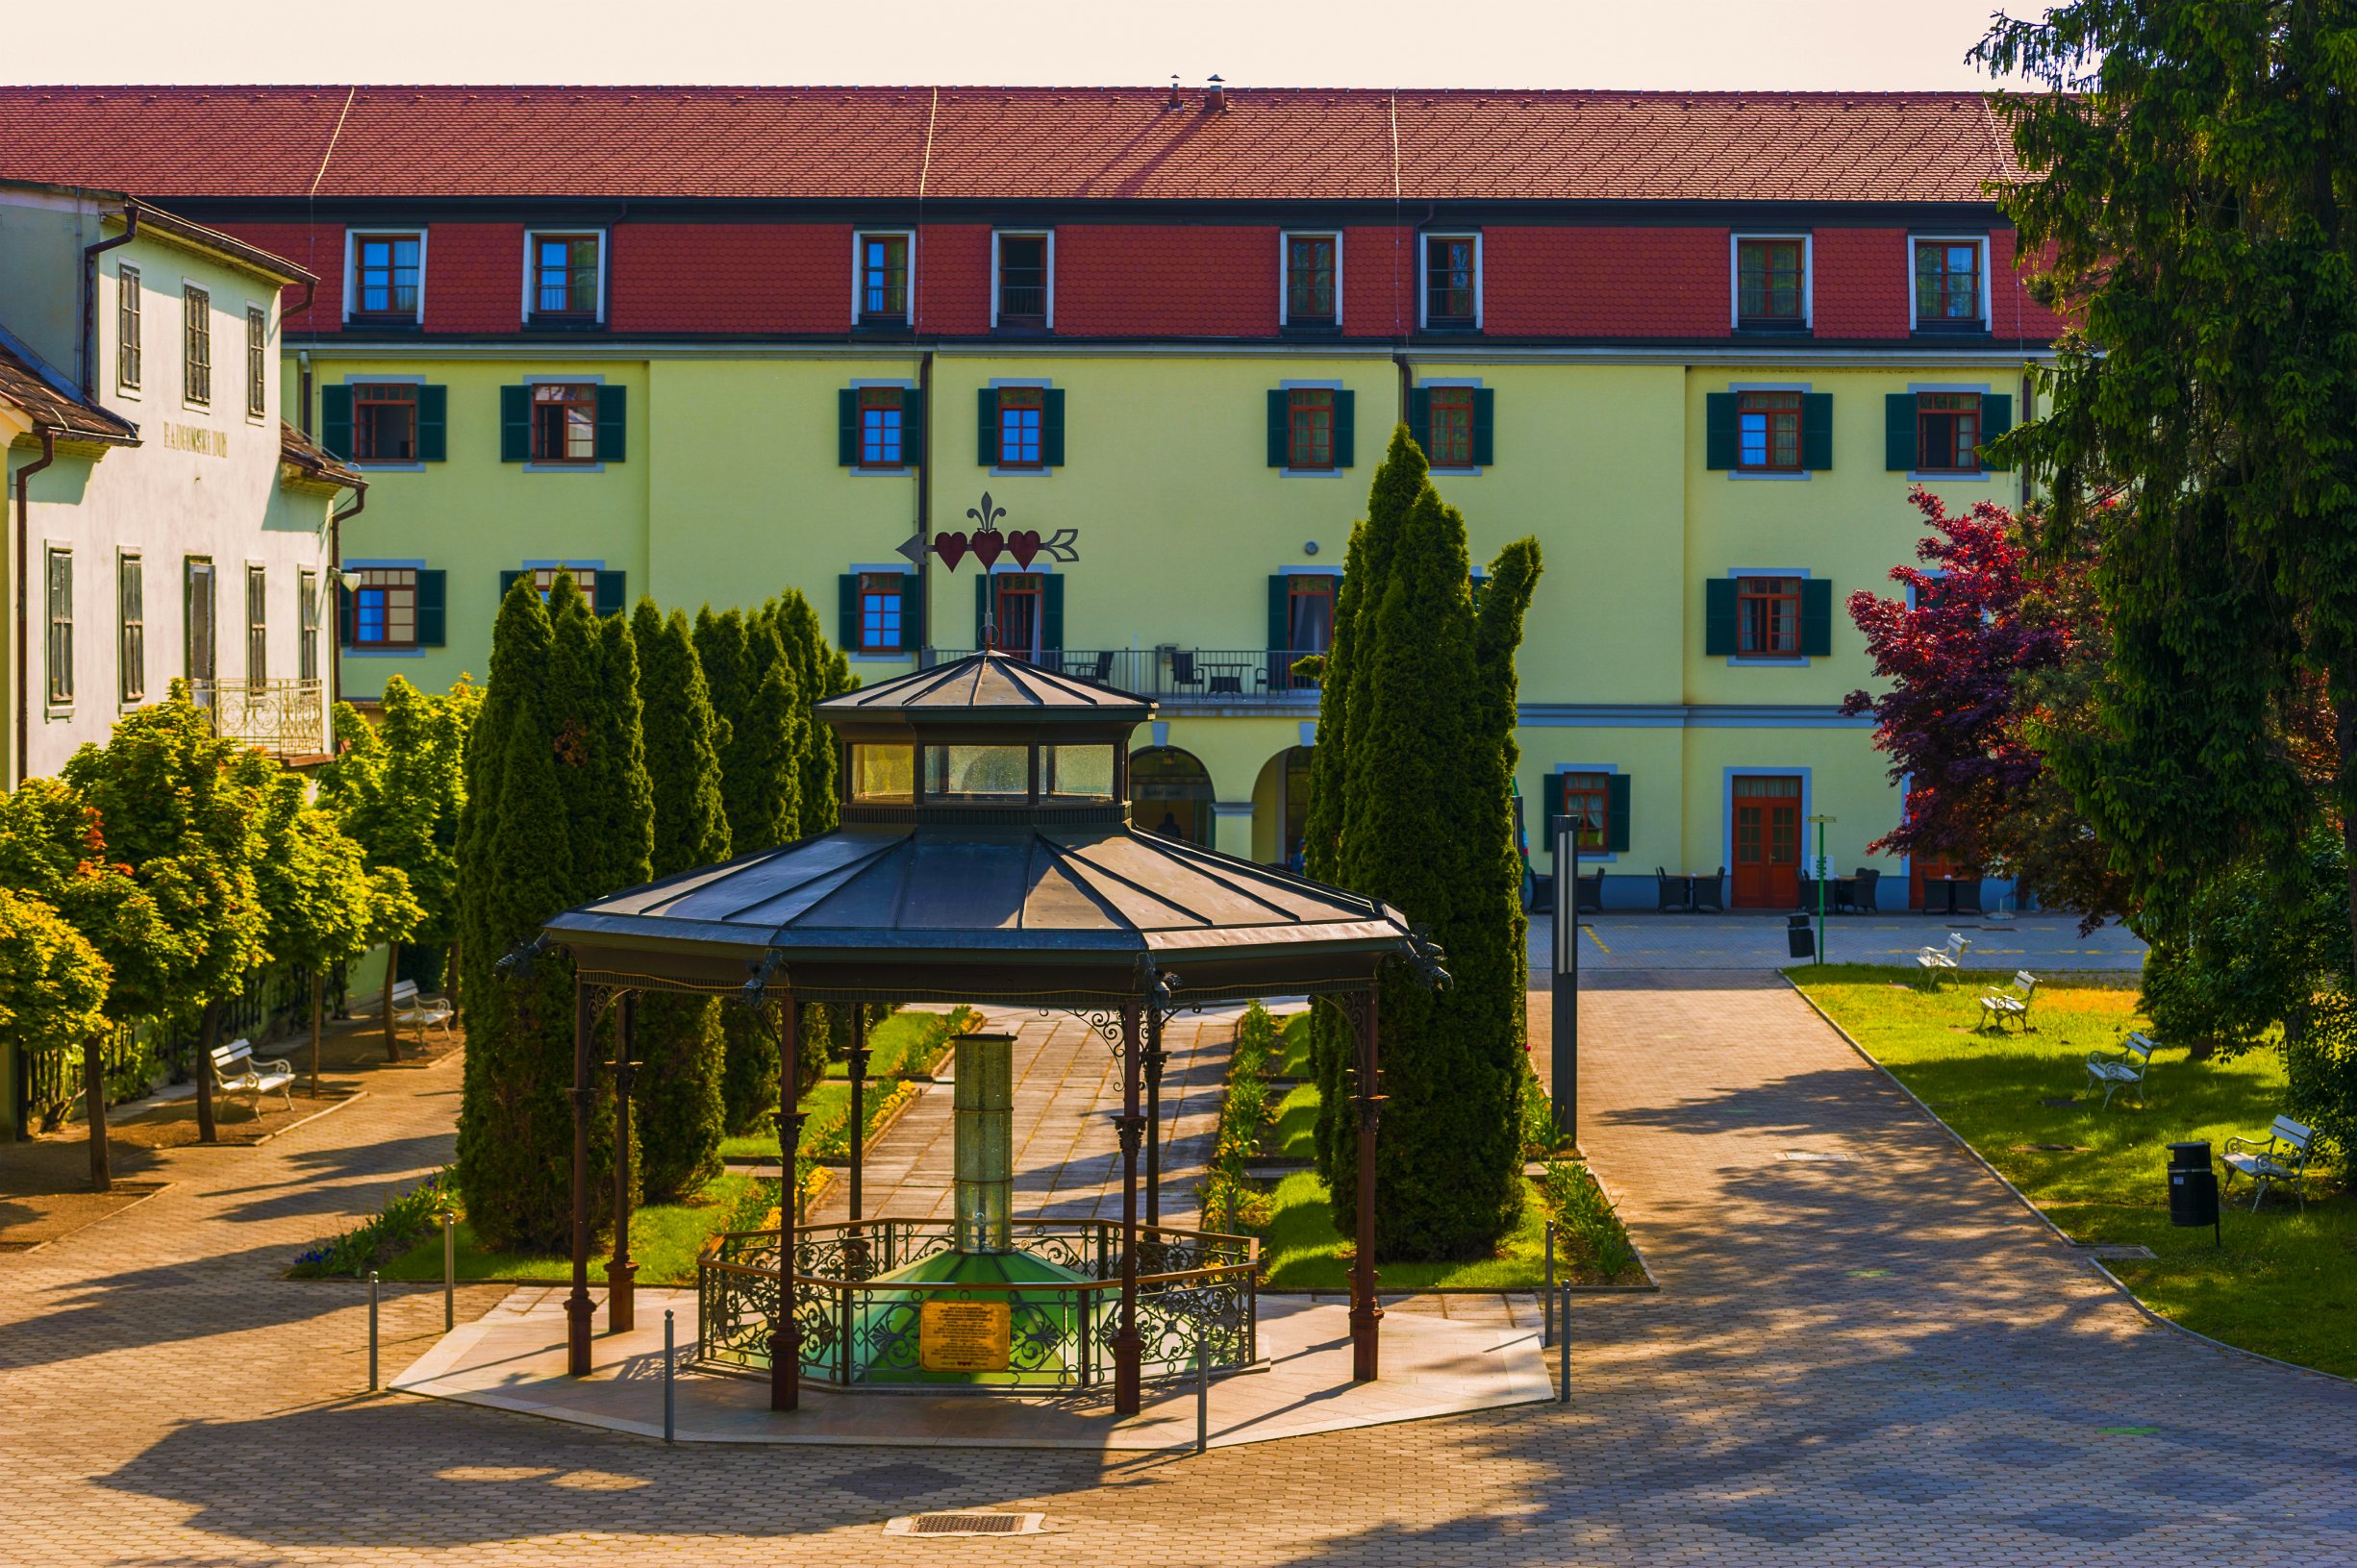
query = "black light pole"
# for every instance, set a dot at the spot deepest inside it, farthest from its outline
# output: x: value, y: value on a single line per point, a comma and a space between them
x: 1565, y: 1063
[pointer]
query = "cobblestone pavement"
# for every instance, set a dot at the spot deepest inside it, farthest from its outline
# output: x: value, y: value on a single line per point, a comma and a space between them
x: 1882, y: 1360
x: 1645, y: 943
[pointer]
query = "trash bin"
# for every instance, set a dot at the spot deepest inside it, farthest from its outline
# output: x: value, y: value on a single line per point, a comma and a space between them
x: 1798, y: 936
x: 2192, y: 1185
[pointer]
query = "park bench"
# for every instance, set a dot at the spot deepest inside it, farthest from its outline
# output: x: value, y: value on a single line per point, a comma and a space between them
x: 2011, y: 1002
x: 2282, y: 1155
x: 1944, y: 957
x: 2111, y: 1071
x: 236, y: 1072
x: 422, y: 1012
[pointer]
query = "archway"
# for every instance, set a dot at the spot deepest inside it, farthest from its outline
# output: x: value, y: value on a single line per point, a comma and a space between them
x: 1281, y: 808
x: 1170, y: 793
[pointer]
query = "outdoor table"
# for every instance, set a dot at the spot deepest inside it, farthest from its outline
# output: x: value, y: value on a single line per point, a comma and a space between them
x: 1946, y: 889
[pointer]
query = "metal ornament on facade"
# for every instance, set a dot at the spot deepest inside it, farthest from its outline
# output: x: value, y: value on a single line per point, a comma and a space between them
x: 987, y: 542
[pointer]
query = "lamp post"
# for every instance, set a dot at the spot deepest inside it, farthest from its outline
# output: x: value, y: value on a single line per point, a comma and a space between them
x: 1564, y: 1055
x: 1821, y: 822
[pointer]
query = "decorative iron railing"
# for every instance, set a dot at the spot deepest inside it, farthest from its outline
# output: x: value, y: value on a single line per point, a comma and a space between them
x: 284, y: 718
x: 1179, y: 675
x: 858, y: 1325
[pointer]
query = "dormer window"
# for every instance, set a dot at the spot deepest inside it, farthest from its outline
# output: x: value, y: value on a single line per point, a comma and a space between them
x: 1313, y: 280
x: 1771, y: 282
x: 564, y: 278
x: 1950, y: 284
x: 388, y: 276
x: 1025, y: 297
x: 1452, y: 282
x: 883, y: 268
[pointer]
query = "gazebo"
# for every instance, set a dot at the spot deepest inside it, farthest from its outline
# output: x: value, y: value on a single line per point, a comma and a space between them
x: 985, y: 854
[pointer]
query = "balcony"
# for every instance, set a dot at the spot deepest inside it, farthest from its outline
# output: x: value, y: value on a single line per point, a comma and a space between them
x: 1215, y: 676
x: 285, y: 719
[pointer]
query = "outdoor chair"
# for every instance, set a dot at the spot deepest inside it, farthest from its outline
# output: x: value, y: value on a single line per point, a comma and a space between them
x: 1541, y: 893
x: 1183, y: 671
x: 1944, y: 957
x: 2281, y: 1157
x: 2009, y: 1002
x: 235, y: 1071
x: 419, y: 1012
x: 1709, y: 892
x: 1590, y: 895
x: 2115, y: 1070
x: 1671, y: 895
x: 1097, y: 668
x: 1862, y: 882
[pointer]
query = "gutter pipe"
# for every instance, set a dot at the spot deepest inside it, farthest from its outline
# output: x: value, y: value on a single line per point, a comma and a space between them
x: 24, y: 669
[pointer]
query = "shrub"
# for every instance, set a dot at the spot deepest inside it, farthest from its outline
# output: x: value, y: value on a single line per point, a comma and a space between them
x: 394, y: 1229
x: 1226, y: 1191
x: 1586, y: 1230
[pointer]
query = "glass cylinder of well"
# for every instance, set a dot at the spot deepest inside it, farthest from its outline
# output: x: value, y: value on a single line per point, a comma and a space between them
x: 983, y: 1142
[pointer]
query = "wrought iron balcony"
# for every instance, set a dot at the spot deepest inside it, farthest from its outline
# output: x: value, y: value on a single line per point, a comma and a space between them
x: 1211, y: 676
x: 283, y: 718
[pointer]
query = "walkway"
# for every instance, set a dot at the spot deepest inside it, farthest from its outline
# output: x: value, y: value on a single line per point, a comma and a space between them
x: 1638, y: 942
x: 1883, y: 1360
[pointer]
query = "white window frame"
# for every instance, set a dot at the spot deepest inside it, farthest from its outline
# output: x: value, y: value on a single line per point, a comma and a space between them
x: 1284, y: 281
x: 532, y: 236
x: 1423, y: 281
x: 1808, y: 277
x: 1046, y: 233
x: 351, y: 271
x: 858, y: 287
x: 1980, y: 241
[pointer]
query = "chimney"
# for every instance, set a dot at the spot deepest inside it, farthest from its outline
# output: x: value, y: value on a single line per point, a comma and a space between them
x: 1174, y: 101
x: 1215, y: 96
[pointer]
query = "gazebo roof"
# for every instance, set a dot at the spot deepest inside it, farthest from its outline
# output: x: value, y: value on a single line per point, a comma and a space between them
x: 987, y: 685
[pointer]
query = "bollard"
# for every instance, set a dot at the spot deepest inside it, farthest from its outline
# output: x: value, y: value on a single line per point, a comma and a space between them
x: 450, y: 1271
x: 1546, y: 1297
x: 372, y: 1331
x: 668, y: 1425
x: 1563, y: 1341
x: 1203, y: 1390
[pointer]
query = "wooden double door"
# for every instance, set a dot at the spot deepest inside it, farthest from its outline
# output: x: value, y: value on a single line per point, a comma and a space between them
x: 1767, y: 842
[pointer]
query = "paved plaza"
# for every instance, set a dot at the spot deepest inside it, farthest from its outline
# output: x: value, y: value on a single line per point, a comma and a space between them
x: 1617, y: 940
x: 1881, y: 1359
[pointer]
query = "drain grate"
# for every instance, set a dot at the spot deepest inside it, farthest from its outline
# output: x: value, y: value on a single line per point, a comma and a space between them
x: 1815, y: 1156
x: 981, y: 1523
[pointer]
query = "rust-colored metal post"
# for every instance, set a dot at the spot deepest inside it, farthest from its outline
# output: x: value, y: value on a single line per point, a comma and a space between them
x: 785, y: 1335
x: 1127, y: 1352
x: 1366, y: 1316
x: 1153, y: 1115
x: 855, y: 1239
x: 621, y: 1272
x: 578, y: 1309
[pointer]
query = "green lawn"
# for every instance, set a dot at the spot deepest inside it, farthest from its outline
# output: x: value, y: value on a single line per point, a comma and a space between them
x: 1294, y: 1061
x: 1294, y: 1136
x: 2285, y: 1282
x: 1303, y: 1251
x: 914, y: 1039
x: 665, y: 1240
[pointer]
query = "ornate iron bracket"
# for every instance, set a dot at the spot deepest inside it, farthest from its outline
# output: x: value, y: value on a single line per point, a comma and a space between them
x: 516, y: 962
x: 763, y: 973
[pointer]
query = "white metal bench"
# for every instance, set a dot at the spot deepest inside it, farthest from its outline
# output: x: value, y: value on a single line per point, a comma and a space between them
x: 2282, y: 1155
x: 1944, y: 957
x: 236, y: 1072
x: 421, y: 1012
x: 2111, y: 1071
x: 2011, y: 1002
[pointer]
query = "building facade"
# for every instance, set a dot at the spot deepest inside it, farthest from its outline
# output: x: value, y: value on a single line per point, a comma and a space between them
x: 709, y: 344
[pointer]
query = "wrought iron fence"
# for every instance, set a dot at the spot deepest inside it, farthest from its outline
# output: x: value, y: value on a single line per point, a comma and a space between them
x: 858, y: 1325
x: 284, y: 718
x: 1206, y: 675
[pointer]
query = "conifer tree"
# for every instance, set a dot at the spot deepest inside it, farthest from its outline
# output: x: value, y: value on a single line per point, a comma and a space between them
x: 678, y: 1104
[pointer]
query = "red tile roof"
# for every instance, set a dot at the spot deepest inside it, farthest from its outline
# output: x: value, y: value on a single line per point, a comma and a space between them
x: 57, y: 407
x: 984, y: 143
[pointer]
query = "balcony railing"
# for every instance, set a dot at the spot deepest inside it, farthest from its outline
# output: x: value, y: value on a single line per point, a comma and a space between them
x: 284, y: 718
x: 1169, y: 674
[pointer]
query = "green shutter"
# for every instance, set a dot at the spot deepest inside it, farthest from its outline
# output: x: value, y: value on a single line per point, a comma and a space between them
x: 908, y: 611
x: 1346, y: 429
x: 1051, y: 613
x: 1280, y: 611
x: 1551, y: 798
x: 986, y: 427
x: 432, y: 424
x: 335, y: 420
x: 1051, y: 428
x: 347, y: 616
x: 432, y: 615
x: 1899, y: 431
x: 1816, y: 431
x: 1485, y: 423
x: 1616, y: 813
x: 847, y: 612
x: 912, y: 426
x: 1996, y: 418
x: 1419, y: 418
x: 982, y: 601
x: 1719, y: 617
x: 1280, y: 428
x: 1815, y: 617
x: 613, y: 423
x: 613, y: 592
x: 515, y: 424
x: 847, y: 427
x: 1721, y: 445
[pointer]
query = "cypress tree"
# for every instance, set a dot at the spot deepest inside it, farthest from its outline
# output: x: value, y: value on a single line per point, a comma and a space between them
x: 628, y: 795
x: 516, y: 1123
x: 821, y: 671
x: 677, y: 1100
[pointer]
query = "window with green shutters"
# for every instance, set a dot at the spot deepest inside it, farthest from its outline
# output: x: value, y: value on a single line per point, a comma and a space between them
x: 563, y: 422
x: 1018, y: 427
x: 876, y: 612
x: 1598, y: 800
x: 392, y: 609
x: 1760, y: 616
x: 879, y: 427
x: 1767, y: 431
x: 366, y: 421
x: 607, y: 587
x: 1916, y: 425
x: 1020, y: 612
x: 1456, y: 426
x: 1313, y: 428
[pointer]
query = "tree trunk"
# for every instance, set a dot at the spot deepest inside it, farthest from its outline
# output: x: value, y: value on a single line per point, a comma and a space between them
x: 318, y: 1001
x: 207, y: 1035
x: 392, y: 1035
x: 94, y: 1094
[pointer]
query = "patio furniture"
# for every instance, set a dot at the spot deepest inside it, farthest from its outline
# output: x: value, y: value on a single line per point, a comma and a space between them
x: 2009, y: 1002
x: 1591, y: 893
x: 1837, y: 894
x: 1097, y: 668
x: 421, y: 1014
x: 2115, y: 1070
x: 1710, y: 892
x: 1183, y: 671
x: 1939, y: 894
x: 1863, y: 884
x: 1541, y: 893
x: 2282, y: 1155
x: 1673, y: 895
x: 235, y: 1071
x: 1943, y: 956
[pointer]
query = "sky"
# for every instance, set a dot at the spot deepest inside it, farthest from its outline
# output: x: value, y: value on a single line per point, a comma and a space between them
x: 1701, y: 45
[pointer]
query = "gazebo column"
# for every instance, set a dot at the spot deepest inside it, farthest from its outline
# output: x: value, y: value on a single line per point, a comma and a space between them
x: 785, y: 1334
x: 621, y: 1272
x: 1153, y: 1115
x: 1366, y: 1316
x: 577, y: 1308
x: 856, y: 1241
x: 1126, y: 1348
